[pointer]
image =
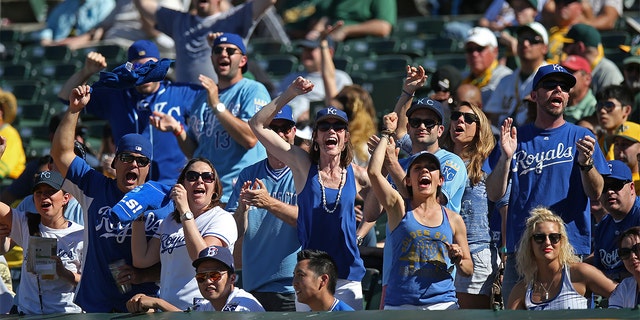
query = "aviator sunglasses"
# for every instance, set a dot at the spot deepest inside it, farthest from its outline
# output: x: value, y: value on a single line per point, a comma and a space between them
x: 230, y: 51
x: 214, y: 276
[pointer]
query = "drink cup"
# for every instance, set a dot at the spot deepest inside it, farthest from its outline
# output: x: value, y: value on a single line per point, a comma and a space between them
x: 114, y: 267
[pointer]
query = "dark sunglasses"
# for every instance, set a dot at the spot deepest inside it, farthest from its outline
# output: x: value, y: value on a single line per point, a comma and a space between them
x: 129, y: 158
x: 550, y: 85
x: 541, y: 237
x: 632, y: 67
x: 625, y: 253
x: 469, y: 117
x: 606, y: 105
x: 614, y: 185
x: 428, y: 123
x: 207, y: 177
x: 531, y: 39
x: 230, y: 51
x: 336, y: 126
x: 214, y: 276
x: 283, y: 128
x: 474, y: 49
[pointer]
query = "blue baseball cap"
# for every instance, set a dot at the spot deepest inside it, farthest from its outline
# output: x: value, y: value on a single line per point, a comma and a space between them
x: 424, y: 155
x: 51, y: 178
x: 285, y: 114
x: 234, y: 39
x: 553, y: 70
x: 134, y: 142
x: 429, y: 104
x: 215, y: 253
x: 143, y: 49
x: 619, y: 171
x: 331, y: 113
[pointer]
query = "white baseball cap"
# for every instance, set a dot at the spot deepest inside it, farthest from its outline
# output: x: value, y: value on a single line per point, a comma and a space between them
x: 482, y: 37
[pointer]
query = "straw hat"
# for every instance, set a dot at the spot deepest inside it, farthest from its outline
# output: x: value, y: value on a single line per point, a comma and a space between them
x: 9, y: 106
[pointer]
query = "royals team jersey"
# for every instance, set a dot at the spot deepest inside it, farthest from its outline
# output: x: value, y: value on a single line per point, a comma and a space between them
x: 545, y: 172
x: 106, y: 239
x: 243, y: 100
x: 269, y: 245
x: 128, y: 112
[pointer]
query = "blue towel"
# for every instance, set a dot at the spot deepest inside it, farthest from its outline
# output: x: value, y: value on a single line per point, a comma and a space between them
x: 149, y: 196
x: 125, y: 76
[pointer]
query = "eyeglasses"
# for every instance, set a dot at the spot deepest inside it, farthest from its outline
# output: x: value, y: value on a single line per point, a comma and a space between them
x: 469, y: 117
x: 625, y: 253
x: 471, y: 50
x: 129, y: 158
x: 541, y: 237
x: 606, y: 105
x: 532, y: 40
x: 336, y: 126
x: 550, y: 85
x: 214, y: 276
x: 632, y: 67
x: 614, y: 185
x: 207, y: 177
x: 428, y: 123
x: 285, y: 129
x: 230, y: 51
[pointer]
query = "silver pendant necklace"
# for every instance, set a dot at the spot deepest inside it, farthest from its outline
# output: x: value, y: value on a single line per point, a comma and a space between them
x: 324, y: 197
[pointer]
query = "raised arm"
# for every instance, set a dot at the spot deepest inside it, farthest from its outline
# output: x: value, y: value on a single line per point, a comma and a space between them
x: 498, y: 180
x: 64, y: 138
x: 93, y: 63
x: 147, y: 9
x: 167, y: 123
x: 295, y: 158
x: 388, y: 197
x: 415, y: 79
x: 592, y: 181
x: 260, y: 6
x: 328, y: 69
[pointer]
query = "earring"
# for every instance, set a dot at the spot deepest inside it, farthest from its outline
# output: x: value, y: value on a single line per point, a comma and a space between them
x: 315, y: 146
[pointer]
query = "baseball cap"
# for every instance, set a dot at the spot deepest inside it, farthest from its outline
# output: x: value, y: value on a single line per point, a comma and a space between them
x: 575, y: 63
x: 51, y: 178
x: 143, y: 49
x: 619, y: 171
x: 424, y: 155
x: 550, y: 70
x: 446, y: 78
x: 312, y: 44
x: 635, y: 55
x: 538, y: 28
x: 426, y: 103
x: 234, y: 39
x: 9, y: 106
x: 629, y: 130
x: 331, y: 113
x: 215, y: 253
x: 583, y: 33
x: 481, y: 36
x: 532, y: 3
x: 285, y: 114
x: 134, y: 142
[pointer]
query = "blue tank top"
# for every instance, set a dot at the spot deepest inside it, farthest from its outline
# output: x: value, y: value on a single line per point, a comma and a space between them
x: 334, y: 233
x: 420, y: 263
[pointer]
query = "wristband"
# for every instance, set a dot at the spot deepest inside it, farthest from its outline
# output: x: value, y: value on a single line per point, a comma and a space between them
x: 179, y: 133
x: 359, y: 240
x: 387, y: 132
x: 409, y: 94
x: 503, y: 249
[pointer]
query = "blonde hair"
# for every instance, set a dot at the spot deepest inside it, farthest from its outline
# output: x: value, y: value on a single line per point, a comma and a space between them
x: 480, y: 148
x: 358, y: 105
x: 525, y: 259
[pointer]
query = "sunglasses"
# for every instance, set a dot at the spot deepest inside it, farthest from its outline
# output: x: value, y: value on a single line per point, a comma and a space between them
x: 614, y: 185
x: 469, y: 117
x: 550, y: 85
x: 283, y: 128
x: 632, y: 67
x: 230, y: 51
x: 207, y: 177
x: 474, y: 49
x: 532, y: 40
x: 336, y: 126
x: 606, y: 105
x: 625, y: 253
x: 214, y: 276
x: 428, y: 123
x: 129, y: 158
x: 541, y: 237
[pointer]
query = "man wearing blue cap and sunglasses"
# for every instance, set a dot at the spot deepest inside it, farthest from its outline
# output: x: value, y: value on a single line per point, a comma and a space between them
x: 551, y: 163
x: 266, y: 196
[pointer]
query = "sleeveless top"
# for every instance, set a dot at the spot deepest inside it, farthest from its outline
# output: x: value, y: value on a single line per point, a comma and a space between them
x: 421, y: 271
x: 334, y: 233
x: 567, y: 298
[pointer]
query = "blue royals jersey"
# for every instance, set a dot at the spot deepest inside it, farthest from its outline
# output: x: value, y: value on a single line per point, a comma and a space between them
x: 107, y: 240
x: 270, y: 245
x: 128, y: 112
x: 545, y: 172
x: 243, y: 100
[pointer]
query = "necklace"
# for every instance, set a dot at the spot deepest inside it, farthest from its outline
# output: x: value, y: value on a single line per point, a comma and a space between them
x: 324, y: 197
x: 546, y: 289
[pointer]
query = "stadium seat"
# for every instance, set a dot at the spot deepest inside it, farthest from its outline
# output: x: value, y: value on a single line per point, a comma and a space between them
x: 28, y: 91
x: 425, y: 46
x: 371, y: 288
x: 278, y: 66
x: 417, y: 27
x: 33, y: 114
x: 343, y: 63
x: 365, y: 47
x: 58, y: 71
x: 266, y: 46
x: 113, y: 53
x: 15, y: 71
x: 383, y: 65
x: 384, y: 91
x: 37, y: 54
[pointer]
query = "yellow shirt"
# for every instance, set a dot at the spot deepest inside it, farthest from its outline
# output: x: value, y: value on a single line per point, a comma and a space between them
x: 13, y: 160
x: 556, y: 37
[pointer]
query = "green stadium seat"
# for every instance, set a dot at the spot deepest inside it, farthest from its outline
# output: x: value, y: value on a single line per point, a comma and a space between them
x: 372, y: 289
x: 38, y: 54
x: 425, y: 46
x: 16, y: 71
x: 113, y: 53
x: 28, y: 91
x: 383, y: 65
x: 344, y: 63
x: 365, y: 47
x: 278, y: 66
x: 384, y: 91
x: 34, y: 114
x: 58, y: 71
x: 266, y: 46
x: 416, y: 27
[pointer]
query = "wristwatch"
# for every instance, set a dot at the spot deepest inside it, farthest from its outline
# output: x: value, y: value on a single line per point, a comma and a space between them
x: 220, y: 107
x: 186, y: 216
